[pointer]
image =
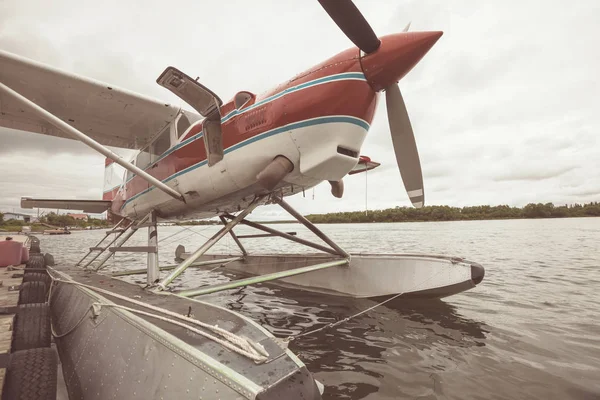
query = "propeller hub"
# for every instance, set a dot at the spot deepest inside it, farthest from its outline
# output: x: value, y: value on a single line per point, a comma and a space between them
x: 396, y: 56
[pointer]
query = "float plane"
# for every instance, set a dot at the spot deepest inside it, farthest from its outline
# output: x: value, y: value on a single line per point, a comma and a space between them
x: 227, y: 158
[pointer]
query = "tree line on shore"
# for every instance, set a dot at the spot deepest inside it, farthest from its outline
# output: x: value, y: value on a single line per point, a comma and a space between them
x: 397, y: 214
x: 59, y: 220
x: 446, y: 213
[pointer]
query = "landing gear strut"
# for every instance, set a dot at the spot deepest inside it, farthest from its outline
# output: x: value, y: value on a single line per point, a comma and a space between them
x: 332, y: 248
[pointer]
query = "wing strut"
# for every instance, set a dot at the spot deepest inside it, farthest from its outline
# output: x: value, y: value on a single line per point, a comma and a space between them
x: 76, y: 134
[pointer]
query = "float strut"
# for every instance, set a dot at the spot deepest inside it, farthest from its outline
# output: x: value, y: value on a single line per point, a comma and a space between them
x: 261, y: 278
x: 312, y: 227
x: 207, y: 245
x: 153, y: 272
x: 234, y: 236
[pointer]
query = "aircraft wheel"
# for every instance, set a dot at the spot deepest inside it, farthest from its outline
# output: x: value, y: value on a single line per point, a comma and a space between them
x: 32, y: 292
x: 32, y: 327
x: 32, y: 374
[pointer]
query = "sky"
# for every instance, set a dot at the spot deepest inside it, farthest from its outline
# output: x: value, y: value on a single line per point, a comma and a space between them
x: 504, y: 107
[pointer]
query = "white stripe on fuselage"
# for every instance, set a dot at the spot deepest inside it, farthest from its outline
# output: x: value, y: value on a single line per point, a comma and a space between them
x: 239, y: 167
x: 347, y: 76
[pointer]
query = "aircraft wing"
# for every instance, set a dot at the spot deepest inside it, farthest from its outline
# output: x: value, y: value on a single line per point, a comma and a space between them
x: 88, y: 206
x: 364, y: 164
x: 111, y: 116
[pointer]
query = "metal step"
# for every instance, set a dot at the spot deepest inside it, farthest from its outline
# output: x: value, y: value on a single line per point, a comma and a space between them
x: 133, y: 249
x: 116, y: 230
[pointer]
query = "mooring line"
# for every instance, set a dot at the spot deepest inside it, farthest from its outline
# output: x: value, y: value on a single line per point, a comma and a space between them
x: 244, y: 348
x: 56, y: 335
x: 334, y: 324
x: 291, y: 338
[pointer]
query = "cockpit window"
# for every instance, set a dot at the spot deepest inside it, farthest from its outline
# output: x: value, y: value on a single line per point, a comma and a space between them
x: 182, y: 124
x: 161, y: 144
x: 129, y: 173
x: 143, y: 158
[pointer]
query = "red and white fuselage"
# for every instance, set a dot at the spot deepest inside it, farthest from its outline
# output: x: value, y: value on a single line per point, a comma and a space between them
x: 318, y: 121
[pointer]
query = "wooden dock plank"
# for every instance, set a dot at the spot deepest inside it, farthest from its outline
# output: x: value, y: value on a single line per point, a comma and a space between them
x: 9, y: 277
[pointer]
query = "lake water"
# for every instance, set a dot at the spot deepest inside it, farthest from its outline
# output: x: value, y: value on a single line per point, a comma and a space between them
x: 530, y: 330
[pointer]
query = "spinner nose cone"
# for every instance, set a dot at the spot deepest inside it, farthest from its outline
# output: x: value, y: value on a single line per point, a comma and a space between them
x: 477, y: 273
x: 396, y: 56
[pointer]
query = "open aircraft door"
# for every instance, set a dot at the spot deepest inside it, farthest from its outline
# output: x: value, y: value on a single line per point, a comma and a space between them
x: 203, y: 100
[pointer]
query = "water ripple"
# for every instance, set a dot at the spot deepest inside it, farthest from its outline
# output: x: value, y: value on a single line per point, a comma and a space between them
x: 529, y: 331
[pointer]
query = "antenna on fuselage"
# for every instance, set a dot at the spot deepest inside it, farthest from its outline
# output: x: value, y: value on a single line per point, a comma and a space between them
x: 366, y: 189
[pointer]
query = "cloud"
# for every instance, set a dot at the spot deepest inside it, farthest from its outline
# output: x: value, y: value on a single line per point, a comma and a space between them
x: 503, y: 107
x: 19, y: 142
x: 530, y: 174
x: 585, y: 192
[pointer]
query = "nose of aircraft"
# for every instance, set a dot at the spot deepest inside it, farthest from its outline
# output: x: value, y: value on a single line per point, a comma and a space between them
x: 396, y: 56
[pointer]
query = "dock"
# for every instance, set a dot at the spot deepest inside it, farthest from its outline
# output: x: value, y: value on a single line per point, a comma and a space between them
x: 29, y: 365
x: 10, y: 280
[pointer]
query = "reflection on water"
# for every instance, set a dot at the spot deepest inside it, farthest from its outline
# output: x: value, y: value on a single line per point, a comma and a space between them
x: 529, y: 331
x: 353, y: 359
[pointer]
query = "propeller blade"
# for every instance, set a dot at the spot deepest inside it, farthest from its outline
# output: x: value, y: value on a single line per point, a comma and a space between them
x: 407, y: 27
x: 354, y: 25
x: 405, y: 146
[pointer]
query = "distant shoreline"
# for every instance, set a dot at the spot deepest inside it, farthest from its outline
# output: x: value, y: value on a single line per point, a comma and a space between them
x: 447, y: 220
x: 442, y: 214
x: 446, y: 213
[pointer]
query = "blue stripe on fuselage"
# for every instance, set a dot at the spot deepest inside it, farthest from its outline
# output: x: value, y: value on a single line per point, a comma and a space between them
x: 331, y: 78
x: 296, y: 125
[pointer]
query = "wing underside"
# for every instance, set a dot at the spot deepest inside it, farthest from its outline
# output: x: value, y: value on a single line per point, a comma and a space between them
x: 88, y: 206
x: 111, y: 116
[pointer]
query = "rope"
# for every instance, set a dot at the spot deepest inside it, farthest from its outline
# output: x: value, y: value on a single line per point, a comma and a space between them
x: 244, y: 347
x: 291, y: 338
x: 235, y: 343
x: 184, y: 228
x: 334, y: 324
x: 74, y: 326
x: 170, y: 236
x: 56, y: 335
x: 195, y: 232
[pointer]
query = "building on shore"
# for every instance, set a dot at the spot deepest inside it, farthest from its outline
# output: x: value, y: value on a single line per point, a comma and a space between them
x: 79, y: 217
x: 17, y: 216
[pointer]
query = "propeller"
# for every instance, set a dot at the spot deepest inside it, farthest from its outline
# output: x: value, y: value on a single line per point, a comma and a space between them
x: 350, y: 20
x: 354, y: 25
x: 405, y: 145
